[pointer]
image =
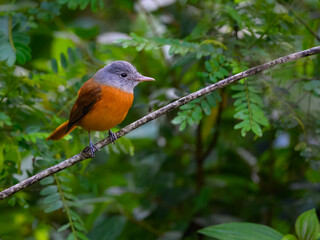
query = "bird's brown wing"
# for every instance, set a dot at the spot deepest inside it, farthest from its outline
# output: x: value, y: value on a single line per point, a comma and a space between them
x: 89, y: 95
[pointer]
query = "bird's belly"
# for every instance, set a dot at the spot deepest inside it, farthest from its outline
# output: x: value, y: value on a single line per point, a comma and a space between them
x: 109, y: 111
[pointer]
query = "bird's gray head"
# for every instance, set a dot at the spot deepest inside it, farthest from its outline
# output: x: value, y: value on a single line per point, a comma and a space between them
x: 121, y: 75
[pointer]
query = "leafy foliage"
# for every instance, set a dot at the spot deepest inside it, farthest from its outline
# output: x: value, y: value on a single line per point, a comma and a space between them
x: 307, y: 225
x: 193, y: 112
x: 160, y: 182
x: 307, y: 228
x: 57, y: 195
x: 248, y: 109
x: 241, y: 231
x: 14, y: 45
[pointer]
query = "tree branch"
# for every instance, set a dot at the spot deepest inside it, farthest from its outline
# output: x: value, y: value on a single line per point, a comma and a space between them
x: 184, y: 100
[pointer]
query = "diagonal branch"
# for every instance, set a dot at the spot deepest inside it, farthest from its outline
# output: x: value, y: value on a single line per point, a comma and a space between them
x: 184, y: 100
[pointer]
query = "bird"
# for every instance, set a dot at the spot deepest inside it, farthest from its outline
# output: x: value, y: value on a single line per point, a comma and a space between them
x: 103, y: 101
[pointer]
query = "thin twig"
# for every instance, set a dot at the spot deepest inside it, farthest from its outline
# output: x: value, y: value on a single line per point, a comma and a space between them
x: 184, y: 100
x: 10, y: 33
x: 300, y: 19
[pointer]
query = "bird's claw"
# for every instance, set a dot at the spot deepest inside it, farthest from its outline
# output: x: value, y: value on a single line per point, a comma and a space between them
x: 112, y: 136
x: 89, y: 150
x: 92, y: 147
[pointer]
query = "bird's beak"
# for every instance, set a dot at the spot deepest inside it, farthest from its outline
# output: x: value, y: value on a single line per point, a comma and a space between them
x: 144, y: 79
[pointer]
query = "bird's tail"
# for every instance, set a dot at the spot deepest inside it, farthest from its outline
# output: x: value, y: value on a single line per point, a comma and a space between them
x: 61, y: 131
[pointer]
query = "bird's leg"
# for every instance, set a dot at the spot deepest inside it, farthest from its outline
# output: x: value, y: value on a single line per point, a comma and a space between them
x: 92, y: 146
x: 112, y: 136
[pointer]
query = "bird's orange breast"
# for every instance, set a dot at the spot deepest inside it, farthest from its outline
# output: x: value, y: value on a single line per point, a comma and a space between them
x: 109, y: 111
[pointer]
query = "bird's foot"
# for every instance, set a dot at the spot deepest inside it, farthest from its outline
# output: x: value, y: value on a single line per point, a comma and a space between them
x: 112, y: 136
x: 89, y: 150
x: 92, y: 148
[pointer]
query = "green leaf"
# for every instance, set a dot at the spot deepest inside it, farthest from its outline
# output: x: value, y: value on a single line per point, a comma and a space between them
x: 216, y: 96
x: 261, y: 119
x: 254, y: 89
x: 75, y: 216
x: 79, y: 227
x: 84, y: 4
x: 49, y: 190
x: 47, y: 180
x: 224, y: 71
x: 64, y: 227
x: 197, y: 114
x: 256, y: 128
x: 205, y: 107
x: 213, y: 78
x: 190, y: 121
x: 54, y: 65
x: 20, y: 37
x: 109, y: 229
x: 219, y: 74
x: 208, y: 66
x: 23, y: 53
x: 4, y: 119
x: 95, y: 4
x: 71, y: 237
x: 51, y: 198
x: 243, y: 114
x: 307, y: 225
x: 54, y: 206
x: 64, y: 179
x: 245, y: 129
x: 178, y: 119
x: 238, y: 87
x: 241, y: 107
x: 70, y: 196
x: 66, y: 188
x: 289, y: 237
x: 215, y: 62
x: 242, y: 124
x: 256, y: 109
x: 222, y: 59
x: 241, y: 231
x: 188, y: 105
x: 80, y: 235
x: 20, y: 57
x: 211, y: 100
x: 183, y: 126
x: 234, y: 14
x: 7, y: 53
x: 240, y: 101
x: 63, y: 60
x: 239, y: 95
x: 255, y: 99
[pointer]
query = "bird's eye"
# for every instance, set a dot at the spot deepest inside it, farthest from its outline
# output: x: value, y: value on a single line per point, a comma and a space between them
x: 123, y: 75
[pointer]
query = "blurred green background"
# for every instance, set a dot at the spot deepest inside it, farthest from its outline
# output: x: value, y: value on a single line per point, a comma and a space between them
x: 247, y: 153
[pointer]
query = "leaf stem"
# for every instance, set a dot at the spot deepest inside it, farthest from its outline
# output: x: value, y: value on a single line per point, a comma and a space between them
x: 248, y: 101
x: 10, y: 33
x: 65, y: 205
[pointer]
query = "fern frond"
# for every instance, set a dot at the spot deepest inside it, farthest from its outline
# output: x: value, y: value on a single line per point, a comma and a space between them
x: 177, y: 46
x: 59, y: 196
x: 249, y: 108
x: 193, y: 112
